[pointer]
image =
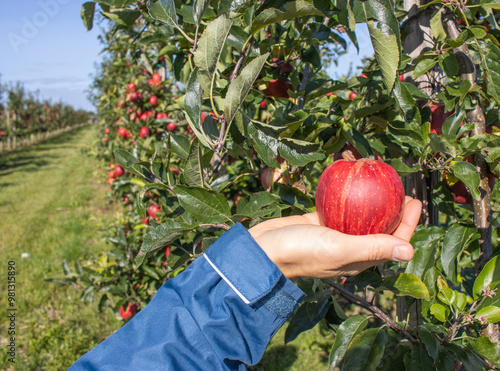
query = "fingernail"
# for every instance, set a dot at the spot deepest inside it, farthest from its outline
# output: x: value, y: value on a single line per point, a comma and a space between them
x: 402, y: 253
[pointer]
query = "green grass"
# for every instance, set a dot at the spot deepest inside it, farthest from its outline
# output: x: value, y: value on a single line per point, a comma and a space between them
x: 51, y: 204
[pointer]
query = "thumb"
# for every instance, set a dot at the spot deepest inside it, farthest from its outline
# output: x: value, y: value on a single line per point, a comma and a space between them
x: 376, y: 248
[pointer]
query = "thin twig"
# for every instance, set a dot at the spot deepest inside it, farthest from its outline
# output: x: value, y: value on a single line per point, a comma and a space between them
x: 303, y: 84
x: 372, y: 308
x: 240, y: 60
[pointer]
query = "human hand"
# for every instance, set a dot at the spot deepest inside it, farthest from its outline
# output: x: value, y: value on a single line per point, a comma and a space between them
x: 301, y: 247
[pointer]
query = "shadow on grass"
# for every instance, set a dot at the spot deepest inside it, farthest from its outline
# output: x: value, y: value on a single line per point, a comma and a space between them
x: 278, y: 358
x: 32, y: 156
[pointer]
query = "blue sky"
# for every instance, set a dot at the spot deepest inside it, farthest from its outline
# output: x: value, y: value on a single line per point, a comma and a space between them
x: 44, y: 45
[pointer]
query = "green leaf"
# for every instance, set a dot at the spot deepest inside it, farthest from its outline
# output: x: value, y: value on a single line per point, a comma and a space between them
x: 491, y: 313
x: 205, y: 206
x: 131, y: 163
x: 265, y: 145
x: 192, y: 103
x: 490, y: 63
x: 440, y: 312
x: 429, y: 339
x: 209, y: 50
x: 199, y: 8
x: 449, y: 64
x: 467, y: 173
x: 180, y: 145
x: 123, y: 17
x: 461, y: 301
x: 437, y: 26
x: 366, y: 350
x: 345, y: 333
x: 489, y: 276
x: 469, y: 359
x: 452, y: 123
x: 445, y: 294
x: 423, y: 259
x: 292, y: 9
x: 257, y: 205
x: 406, y: 284
x: 139, y: 204
x: 193, y: 169
x: 423, y: 66
x: 293, y: 196
x: 309, y: 313
x: 418, y: 360
x: 163, y: 11
x: 455, y: 241
x: 407, y: 103
x: 485, y: 348
x: 103, y: 302
x: 401, y: 168
x: 87, y: 14
x: 385, y: 36
x: 158, y: 236
x: 299, y: 152
x: 239, y: 87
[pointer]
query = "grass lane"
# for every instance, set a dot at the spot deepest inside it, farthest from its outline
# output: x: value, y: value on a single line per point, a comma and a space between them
x: 51, y: 202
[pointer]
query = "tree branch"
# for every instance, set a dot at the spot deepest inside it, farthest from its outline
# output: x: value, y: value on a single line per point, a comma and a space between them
x: 372, y: 308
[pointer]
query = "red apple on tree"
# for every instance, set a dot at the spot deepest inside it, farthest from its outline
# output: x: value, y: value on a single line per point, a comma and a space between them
x: 171, y: 126
x: 352, y: 95
x: 460, y: 192
x: 360, y: 197
x: 129, y: 312
x: 122, y: 132
x: 131, y: 87
x: 144, y: 132
x: 156, y: 78
x: 270, y: 176
x: 438, y: 117
x: 118, y: 171
x: 152, y: 210
x: 278, y: 89
x: 153, y: 100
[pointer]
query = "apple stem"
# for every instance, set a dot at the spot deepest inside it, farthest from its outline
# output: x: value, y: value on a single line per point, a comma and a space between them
x: 347, y: 155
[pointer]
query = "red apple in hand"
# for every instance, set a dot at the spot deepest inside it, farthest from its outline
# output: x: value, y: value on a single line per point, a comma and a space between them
x: 360, y: 197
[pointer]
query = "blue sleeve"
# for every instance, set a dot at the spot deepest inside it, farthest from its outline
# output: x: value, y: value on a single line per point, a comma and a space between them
x: 219, y: 314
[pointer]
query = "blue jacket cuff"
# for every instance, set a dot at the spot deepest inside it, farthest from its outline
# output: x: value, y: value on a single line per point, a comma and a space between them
x: 246, y: 268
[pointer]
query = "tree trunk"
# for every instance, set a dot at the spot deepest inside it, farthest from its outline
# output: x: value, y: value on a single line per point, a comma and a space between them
x: 418, y: 40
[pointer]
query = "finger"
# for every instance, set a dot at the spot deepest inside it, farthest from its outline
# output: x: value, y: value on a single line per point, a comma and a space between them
x: 374, y: 248
x: 409, y: 220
